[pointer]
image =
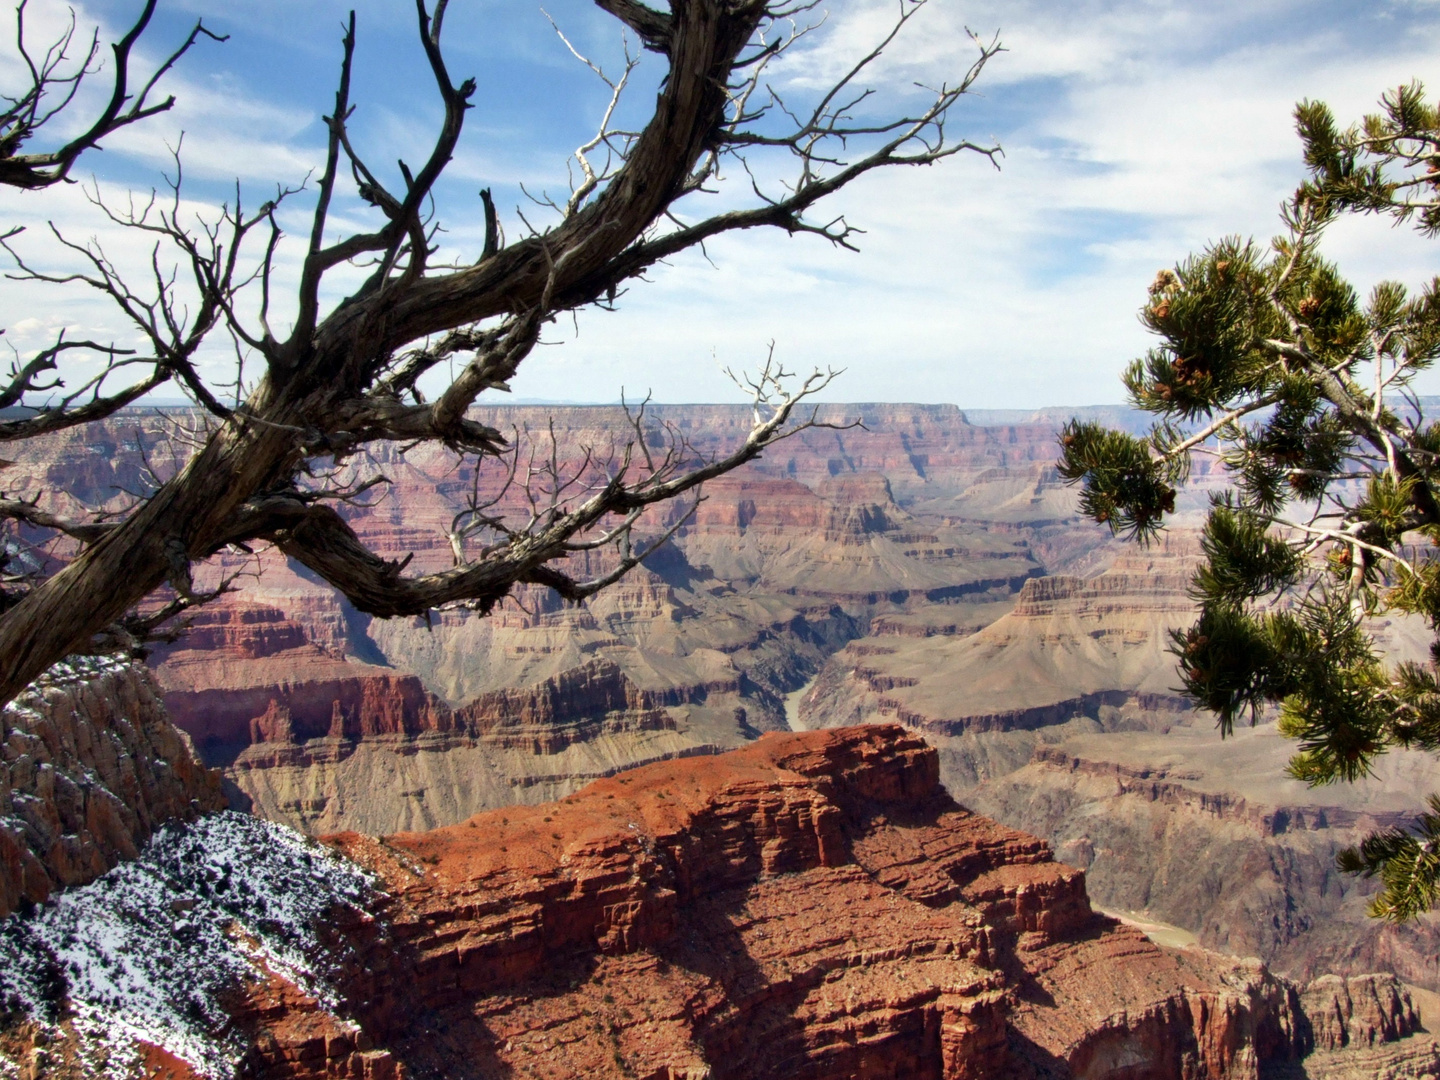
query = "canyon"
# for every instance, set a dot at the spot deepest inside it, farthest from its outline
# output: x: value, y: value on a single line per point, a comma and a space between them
x: 927, y: 569
x: 813, y: 904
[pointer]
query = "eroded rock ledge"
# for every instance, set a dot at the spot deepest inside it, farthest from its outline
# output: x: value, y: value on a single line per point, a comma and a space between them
x: 814, y: 905
x: 90, y: 766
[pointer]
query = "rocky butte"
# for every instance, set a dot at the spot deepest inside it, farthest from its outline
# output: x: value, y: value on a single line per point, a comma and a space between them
x: 90, y: 767
x: 811, y: 905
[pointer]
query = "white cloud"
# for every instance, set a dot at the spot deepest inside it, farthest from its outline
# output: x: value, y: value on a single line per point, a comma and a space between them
x: 1146, y: 131
x: 1134, y: 133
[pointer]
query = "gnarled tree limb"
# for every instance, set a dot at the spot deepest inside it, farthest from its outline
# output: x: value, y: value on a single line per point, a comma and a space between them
x: 343, y: 378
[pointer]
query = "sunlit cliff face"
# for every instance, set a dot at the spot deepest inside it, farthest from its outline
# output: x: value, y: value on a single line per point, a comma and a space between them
x: 807, y: 888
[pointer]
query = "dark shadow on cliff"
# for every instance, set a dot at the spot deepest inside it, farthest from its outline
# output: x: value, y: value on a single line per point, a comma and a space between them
x: 759, y: 1034
x: 235, y: 799
x: 1030, y: 1061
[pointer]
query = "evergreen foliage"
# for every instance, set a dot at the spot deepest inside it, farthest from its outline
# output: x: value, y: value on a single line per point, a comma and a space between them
x: 1268, y: 360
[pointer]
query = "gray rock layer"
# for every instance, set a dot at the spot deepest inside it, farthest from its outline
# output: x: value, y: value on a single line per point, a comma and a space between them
x: 90, y: 766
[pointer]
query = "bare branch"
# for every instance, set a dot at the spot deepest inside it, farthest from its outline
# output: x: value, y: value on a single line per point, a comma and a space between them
x: 26, y: 115
x: 31, y: 514
x: 321, y: 540
x: 274, y: 466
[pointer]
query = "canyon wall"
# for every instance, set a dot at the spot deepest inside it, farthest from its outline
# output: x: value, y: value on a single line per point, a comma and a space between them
x: 1067, y: 648
x: 90, y: 766
x: 1058, y: 718
x: 924, y: 569
x: 1214, y: 839
x: 813, y: 905
x: 326, y: 719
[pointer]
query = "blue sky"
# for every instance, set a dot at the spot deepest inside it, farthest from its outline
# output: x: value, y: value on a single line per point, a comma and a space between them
x: 1133, y: 133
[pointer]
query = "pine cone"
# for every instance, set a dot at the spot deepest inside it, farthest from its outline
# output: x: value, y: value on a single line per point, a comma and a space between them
x: 1191, y: 369
x: 1165, y: 281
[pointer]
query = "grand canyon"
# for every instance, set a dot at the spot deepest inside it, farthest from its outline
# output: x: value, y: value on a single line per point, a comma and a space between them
x: 875, y: 769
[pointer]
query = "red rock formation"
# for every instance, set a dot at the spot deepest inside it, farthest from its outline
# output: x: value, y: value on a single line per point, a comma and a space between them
x: 736, y: 504
x: 356, y: 702
x: 1364, y: 1010
x: 247, y: 673
x: 90, y: 766
x: 813, y: 905
x: 248, y: 631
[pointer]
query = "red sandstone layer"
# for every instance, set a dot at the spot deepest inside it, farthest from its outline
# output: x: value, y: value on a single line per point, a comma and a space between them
x: 813, y: 905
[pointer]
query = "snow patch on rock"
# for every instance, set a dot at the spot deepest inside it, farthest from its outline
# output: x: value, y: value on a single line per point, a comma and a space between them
x: 144, y: 952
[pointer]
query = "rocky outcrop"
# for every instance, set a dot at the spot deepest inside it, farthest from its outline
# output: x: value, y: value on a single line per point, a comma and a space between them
x: 812, y: 905
x: 1067, y: 647
x: 1364, y: 1010
x: 249, y: 673
x: 593, y: 690
x: 90, y: 766
x: 1211, y: 836
x: 518, y: 745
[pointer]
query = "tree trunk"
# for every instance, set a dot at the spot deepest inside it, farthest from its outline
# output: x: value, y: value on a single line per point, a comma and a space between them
x: 108, y: 579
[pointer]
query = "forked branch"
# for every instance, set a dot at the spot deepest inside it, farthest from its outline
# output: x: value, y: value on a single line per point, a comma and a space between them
x: 53, y: 86
x: 368, y: 369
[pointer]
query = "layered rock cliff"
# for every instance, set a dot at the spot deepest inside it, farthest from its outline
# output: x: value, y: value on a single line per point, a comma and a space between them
x: 813, y: 905
x: 1067, y: 646
x: 911, y: 539
x: 379, y: 727
x: 521, y: 745
x: 1212, y: 837
x: 90, y: 766
x: 247, y: 673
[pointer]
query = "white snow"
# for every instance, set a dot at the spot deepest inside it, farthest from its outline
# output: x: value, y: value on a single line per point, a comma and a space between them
x: 69, y: 675
x: 143, y: 952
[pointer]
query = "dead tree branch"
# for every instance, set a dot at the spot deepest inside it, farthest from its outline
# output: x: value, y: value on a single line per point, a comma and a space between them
x: 338, y: 379
x: 54, y: 80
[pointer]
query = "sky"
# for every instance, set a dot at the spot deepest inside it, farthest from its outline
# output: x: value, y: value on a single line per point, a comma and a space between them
x: 1133, y: 133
